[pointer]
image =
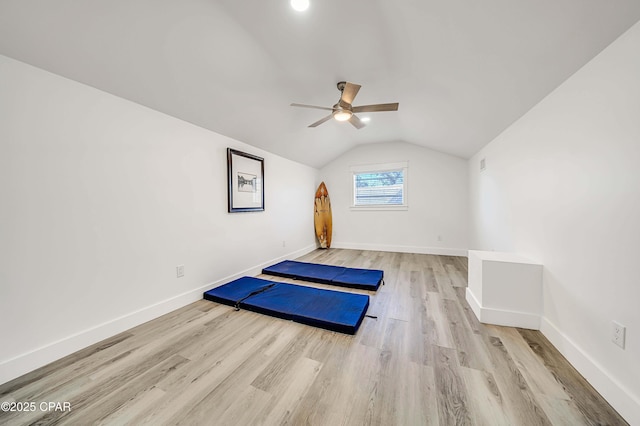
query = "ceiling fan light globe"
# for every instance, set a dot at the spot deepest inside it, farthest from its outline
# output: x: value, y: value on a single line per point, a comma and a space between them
x: 342, y: 115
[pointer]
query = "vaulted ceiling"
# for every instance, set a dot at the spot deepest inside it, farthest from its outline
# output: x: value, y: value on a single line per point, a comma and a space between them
x: 462, y: 70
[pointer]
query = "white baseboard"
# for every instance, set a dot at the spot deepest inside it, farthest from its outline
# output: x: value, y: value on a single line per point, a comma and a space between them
x: 501, y: 316
x: 401, y: 249
x: 473, y: 303
x: 620, y: 398
x: 38, y: 357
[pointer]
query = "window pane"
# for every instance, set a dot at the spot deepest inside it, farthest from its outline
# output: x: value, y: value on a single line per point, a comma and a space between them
x: 379, y: 188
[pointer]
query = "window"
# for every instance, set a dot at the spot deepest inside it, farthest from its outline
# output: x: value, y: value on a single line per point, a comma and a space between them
x: 379, y: 186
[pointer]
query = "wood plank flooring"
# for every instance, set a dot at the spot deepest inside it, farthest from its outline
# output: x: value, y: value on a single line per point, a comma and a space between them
x: 425, y: 360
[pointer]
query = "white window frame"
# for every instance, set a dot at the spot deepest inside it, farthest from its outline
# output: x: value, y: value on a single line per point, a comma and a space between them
x: 377, y: 168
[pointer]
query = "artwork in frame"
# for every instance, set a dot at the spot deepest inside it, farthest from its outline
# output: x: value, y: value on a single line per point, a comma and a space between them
x: 245, y: 177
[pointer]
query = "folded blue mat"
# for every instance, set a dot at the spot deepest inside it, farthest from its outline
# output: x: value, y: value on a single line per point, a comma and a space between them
x: 366, y: 279
x: 328, y: 309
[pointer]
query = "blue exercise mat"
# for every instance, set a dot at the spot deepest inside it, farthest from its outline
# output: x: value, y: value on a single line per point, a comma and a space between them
x: 328, y: 309
x: 366, y: 279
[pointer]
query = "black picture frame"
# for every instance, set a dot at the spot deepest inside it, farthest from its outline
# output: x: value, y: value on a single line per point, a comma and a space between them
x: 245, y: 179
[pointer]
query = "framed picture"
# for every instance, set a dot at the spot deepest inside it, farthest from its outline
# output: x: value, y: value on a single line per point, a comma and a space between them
x: 245, y: 176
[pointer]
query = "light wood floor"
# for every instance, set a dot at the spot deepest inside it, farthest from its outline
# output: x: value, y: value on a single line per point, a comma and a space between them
x: 425, y: 360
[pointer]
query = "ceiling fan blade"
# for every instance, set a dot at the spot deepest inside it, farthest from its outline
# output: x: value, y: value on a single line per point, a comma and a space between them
x: 311, y: 106
x: 357, y: 123
x: 349, y: 92
x: 376, y: 107
x: 322, y: 120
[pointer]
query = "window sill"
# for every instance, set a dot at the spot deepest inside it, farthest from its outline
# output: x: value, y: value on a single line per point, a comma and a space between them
x: 379, y: 208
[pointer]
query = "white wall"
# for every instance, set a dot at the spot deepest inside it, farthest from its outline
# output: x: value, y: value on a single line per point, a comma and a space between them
x: 562, y: 186
x: 437, y: 194
x: 102, y: 198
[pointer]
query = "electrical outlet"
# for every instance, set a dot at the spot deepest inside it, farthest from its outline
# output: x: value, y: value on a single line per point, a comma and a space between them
x: 618, y: 334
x: 180, y: 271
x: 439, y: 237
x: 284, y: 243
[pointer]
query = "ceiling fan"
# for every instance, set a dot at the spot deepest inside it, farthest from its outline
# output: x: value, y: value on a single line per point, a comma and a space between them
x: 345, y: 111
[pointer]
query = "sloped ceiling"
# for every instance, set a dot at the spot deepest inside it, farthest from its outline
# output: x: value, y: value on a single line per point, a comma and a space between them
x: 462, y: 70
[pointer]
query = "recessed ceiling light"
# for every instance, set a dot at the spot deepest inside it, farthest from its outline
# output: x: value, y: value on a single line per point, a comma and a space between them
x: 300, y: 5
x: 365, y: 119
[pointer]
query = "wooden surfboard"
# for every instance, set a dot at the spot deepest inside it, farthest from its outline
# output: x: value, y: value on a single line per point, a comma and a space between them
x: 322, y: 217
